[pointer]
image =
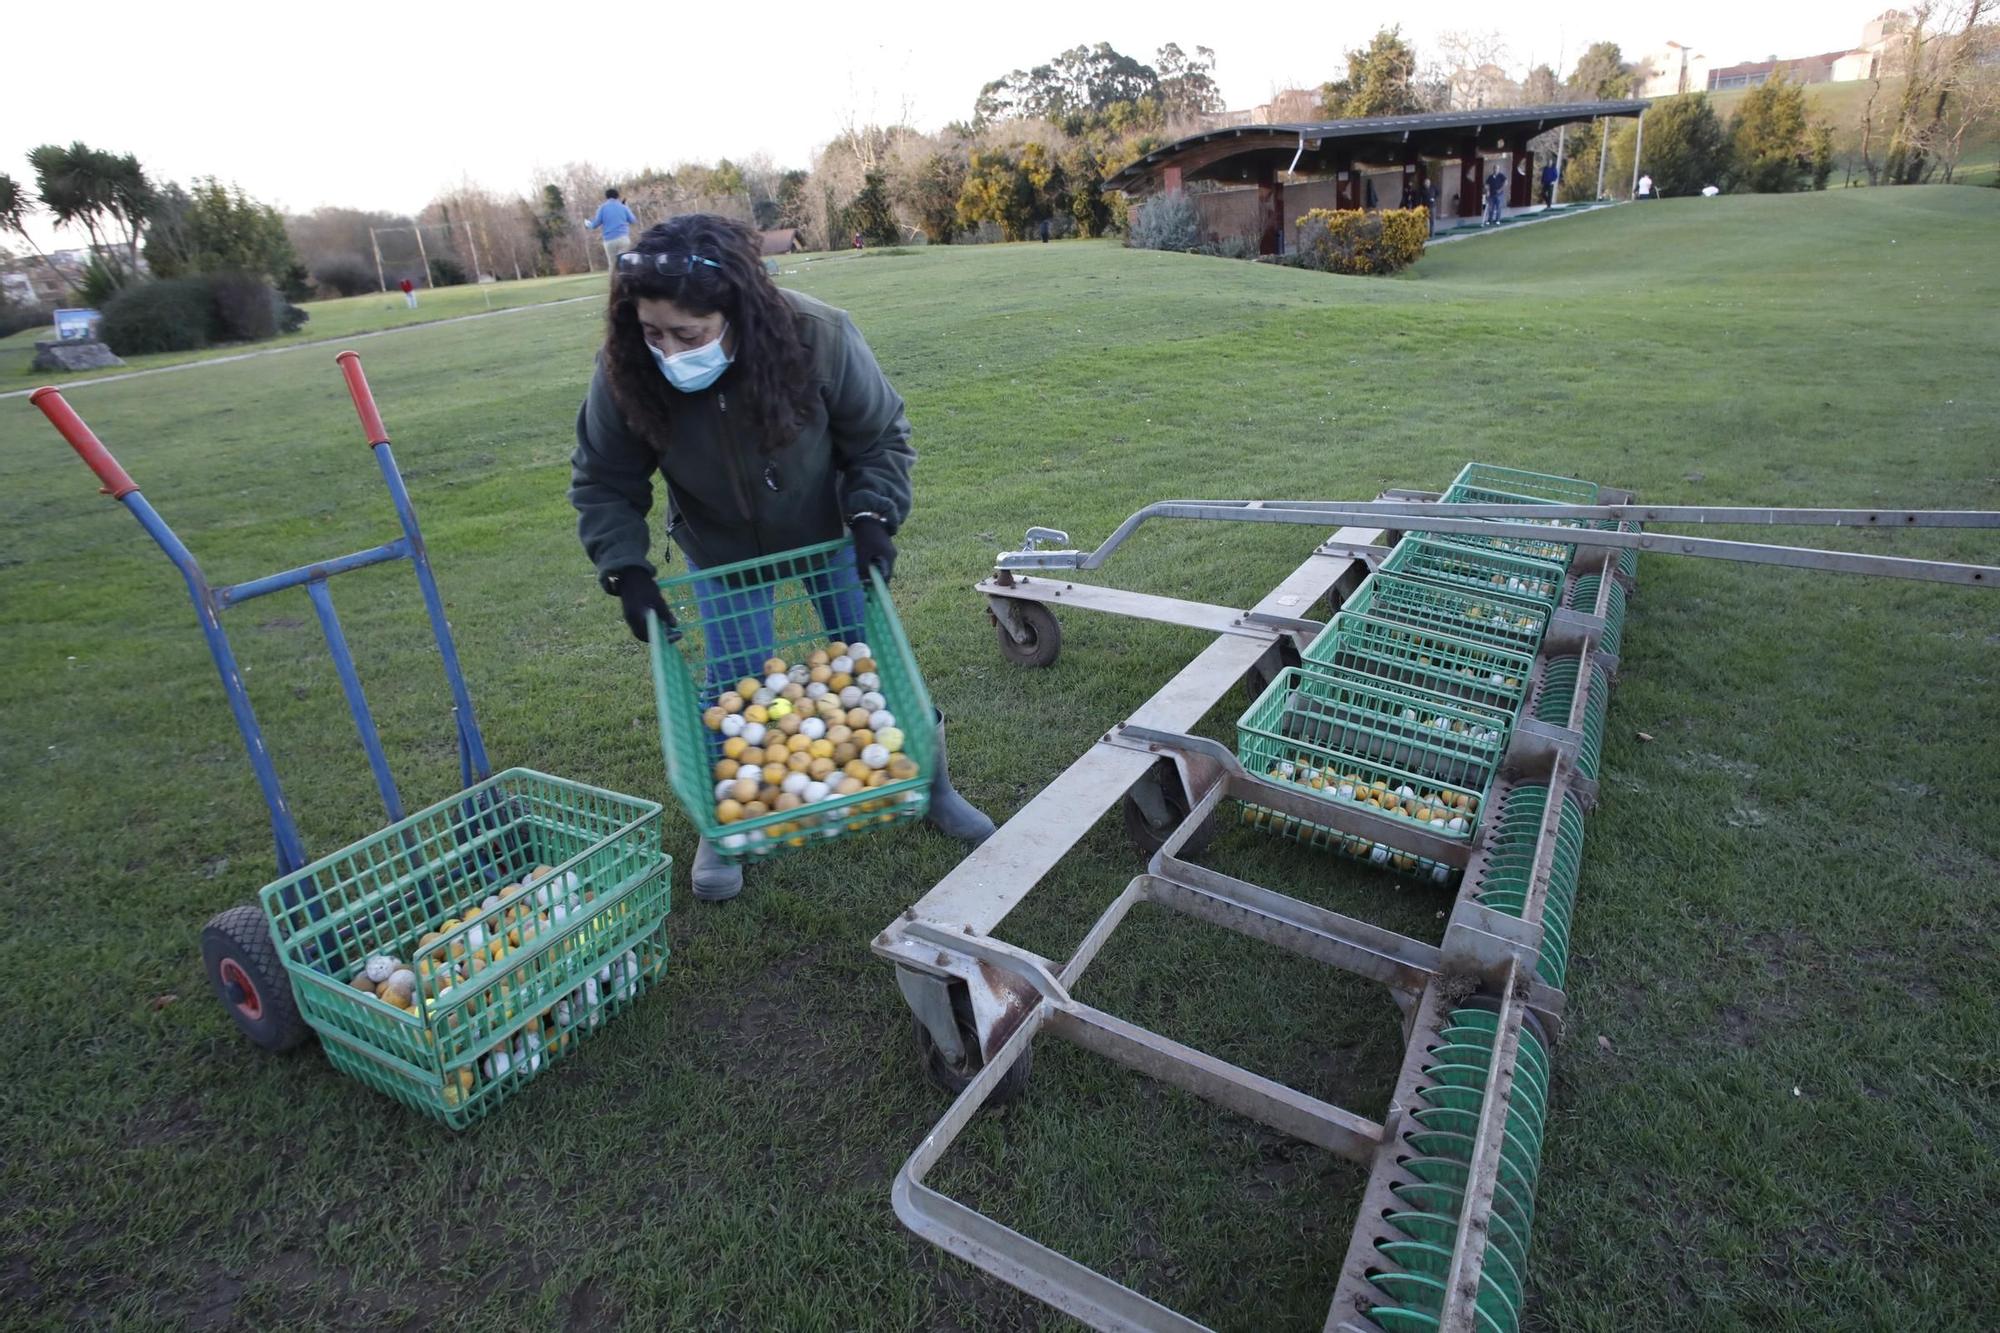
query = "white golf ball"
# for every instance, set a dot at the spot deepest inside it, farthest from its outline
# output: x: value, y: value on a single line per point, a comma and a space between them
x: 753, y: 733
x: 763, y: 696
x: 776, y: 681
x: 794, y: 783
x: 873, y: 700
x: 875, y: 756
x: 868, y: 680
x: 881, y: 720
x: 732, y: 724
x: 799, y: 675
x: 722, y: 788
x: 851, y: 697
x: 812, y: 728
x: 841, y: 665
x: 860, y: 650
x: 815, y: 690
x: 814, y: 791
x: 734, y: 842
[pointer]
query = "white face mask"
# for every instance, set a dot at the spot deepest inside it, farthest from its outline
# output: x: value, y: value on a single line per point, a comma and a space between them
x: 698, y: 367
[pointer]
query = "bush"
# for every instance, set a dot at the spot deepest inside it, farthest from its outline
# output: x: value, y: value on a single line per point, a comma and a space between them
x: 1164, y: 222
x: 345, y: 275
x: 25, y: 315
x: 171, y: 315
x: 447, y: 272
x: 184, y: 314
x: 1232, y: 247
x: 1354, y: 241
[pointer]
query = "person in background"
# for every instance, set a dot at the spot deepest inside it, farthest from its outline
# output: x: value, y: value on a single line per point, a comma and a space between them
x: 1431, y: 202
x: 1369, y: 199
x: 614, y: 221
x: 409, y: 290
x: 1646, y: 187
x: 1549, y: 185
x: 770, y: 424
x: 1496, y: 190
x: 1409, y: 196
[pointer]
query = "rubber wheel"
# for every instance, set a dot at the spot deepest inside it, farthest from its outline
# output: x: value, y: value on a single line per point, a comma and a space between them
x: 242, y: 966
x: 1140, y: 830
x: 953, y: 1077
x: 1044, y: 636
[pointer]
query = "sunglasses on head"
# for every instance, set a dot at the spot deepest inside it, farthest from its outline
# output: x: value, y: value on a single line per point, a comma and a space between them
x: 666, y: 263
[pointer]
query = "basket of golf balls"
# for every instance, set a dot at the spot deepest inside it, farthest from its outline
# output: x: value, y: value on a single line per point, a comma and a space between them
x: 791, y: 709
x: 453, y: 956
x: 1413, y: 760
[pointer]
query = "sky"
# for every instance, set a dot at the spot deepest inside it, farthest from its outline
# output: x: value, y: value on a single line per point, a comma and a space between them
x: 381, y: 105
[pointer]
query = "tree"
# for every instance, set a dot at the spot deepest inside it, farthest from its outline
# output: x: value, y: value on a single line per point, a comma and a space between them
x: 997, y: 190
x: 1822, y: 155
x: 1769, y: 142
x: 1686, y: 144
x: 107, y: 194
x: 213, y: 228
x: 1380, y: 80
x: 1601, y: 74
x: 1082, y: 80
x: 1947, y: 88
x: 1084, y: 166
x: 1045, y: 175
x: 1472, y: 75
x: 1541, y: 87
x: 552, y: 222
x: 15, y: 205
x: 931, y: 192
x: 1186, y: 85
x: 870, y: 212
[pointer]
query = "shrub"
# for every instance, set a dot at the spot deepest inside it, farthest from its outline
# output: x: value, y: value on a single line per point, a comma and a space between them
x: 171, y: 315
x: 1233, y: 247
x: 447, y: 272
x: 244, y: 309
x: 24, y: 315
x: 1353, y: 241
x: 344, y: 275
x: 1164, y: 222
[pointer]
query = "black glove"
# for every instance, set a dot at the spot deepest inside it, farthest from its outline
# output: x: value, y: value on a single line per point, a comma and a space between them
x: 872, y: 547
x: 637, y: 594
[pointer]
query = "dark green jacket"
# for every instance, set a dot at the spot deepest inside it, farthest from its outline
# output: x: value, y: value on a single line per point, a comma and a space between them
x: 729, y: 499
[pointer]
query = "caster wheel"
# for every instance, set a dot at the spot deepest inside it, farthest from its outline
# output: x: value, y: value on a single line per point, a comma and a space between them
x: 243, y: 967
x: 1044, y: 637
x: 1151, y: 819
x: 953, y: 1076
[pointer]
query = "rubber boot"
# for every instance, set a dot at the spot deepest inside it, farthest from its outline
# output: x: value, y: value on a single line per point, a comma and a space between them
x: 715, y: 880
x: 950, y: 813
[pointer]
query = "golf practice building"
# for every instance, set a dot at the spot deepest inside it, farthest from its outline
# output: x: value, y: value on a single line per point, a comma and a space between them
x: 1259, y: 179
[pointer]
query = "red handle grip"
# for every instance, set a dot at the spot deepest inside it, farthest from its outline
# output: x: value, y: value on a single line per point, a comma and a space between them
x: 117, y: 483
x: 364, y: 401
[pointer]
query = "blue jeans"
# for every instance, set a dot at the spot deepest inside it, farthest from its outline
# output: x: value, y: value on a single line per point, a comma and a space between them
x: 738, y: 622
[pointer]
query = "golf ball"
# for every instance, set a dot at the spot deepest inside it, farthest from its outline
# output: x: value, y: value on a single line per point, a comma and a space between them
x: 875, y: 756
x: 868, y: 680
x: 776, y: 681
x: 813, y: 791
x: 815, y: 691
x: 873, y: 700
x: 859, y: 650
x: 732, y: 724
x: 851, y: 697
x: 881, y: 720
x: 794, y: 783
x: 812, y: 728
x: 842, y: 665
x: 754, y: 733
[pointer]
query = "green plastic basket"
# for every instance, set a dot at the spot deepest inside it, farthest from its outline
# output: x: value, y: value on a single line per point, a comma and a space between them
x: 1477, y: 570
x: 1474, y: 675
x: 1346, y: 737
x: 735, y: 633
x: 1489, y: 618
x: 575, y: 946
x: 1544, y: 486
x: 1535, y: 548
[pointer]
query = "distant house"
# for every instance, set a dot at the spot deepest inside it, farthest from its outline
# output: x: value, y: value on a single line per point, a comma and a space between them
x: 1880, y: 52
x: 784, y: 241
x: 1672, y: 69
x: 17, y: 289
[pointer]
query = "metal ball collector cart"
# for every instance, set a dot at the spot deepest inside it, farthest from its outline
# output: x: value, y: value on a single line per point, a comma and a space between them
x: 453, y: 955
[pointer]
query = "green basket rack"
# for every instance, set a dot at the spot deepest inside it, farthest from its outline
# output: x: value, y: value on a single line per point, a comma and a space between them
x: 501, y: 989
x: 1514, y: 828
x: 1416, y: 1259
x: 1535, y: 548
x: 1518, y: 483
x: 777, y: 606
x: 1350, y: 738
x: 1478, y: 570
x: 1490, y: 618
x: 1474, y: 675
x: 1583, y: 597
x: 1557, y: 693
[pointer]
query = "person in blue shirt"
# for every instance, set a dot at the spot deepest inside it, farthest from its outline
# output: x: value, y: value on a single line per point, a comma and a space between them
x: 615, y: 221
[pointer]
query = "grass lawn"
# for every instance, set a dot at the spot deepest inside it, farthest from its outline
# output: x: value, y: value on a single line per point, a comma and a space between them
x: 1783, y: 931
x: 339, y: 318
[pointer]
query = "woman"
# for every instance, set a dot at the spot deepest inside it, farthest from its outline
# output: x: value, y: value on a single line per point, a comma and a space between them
x: 773, y: 428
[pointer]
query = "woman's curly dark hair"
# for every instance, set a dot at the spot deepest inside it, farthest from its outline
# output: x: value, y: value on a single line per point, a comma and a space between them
x: 771, y: 371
